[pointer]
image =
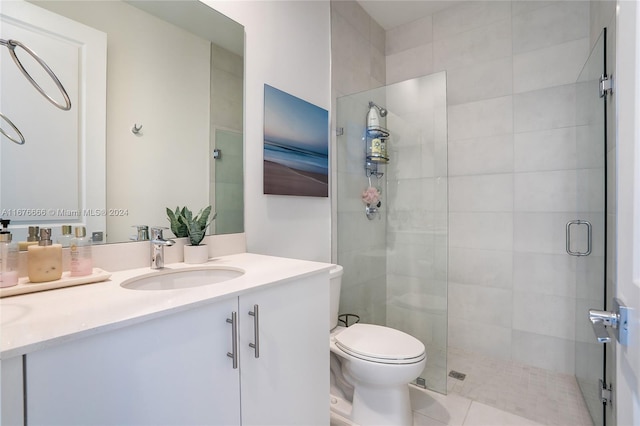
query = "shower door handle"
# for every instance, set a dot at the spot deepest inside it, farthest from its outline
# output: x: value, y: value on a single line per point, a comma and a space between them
x: 617, y: 320
x: 568, y: 237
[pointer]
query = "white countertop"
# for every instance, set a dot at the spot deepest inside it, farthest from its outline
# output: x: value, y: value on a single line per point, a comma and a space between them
x: 35, y: 321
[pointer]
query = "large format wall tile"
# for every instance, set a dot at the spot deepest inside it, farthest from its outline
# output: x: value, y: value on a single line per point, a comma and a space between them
x: 545, y: 109
x: 553, y: 149
x: 560, y: 22
x: 481, y: 230
x: 551, y: 66
x: 483, y: 118
x: 483, y: 193
x: 408, y: 36
x: 472, y: 47
x: 480, y: 81
x: 469, y: 16
x: 492, y: 154
x: 491, y: 268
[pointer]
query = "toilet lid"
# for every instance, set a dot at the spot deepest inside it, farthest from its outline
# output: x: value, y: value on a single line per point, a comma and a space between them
x: 380, y: 344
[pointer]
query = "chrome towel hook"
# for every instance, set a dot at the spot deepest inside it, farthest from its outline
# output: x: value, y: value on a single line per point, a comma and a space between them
x: 136, y: 129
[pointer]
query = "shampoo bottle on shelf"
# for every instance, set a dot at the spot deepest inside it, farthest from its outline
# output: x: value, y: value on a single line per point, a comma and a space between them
x: 8, y: 258
x: 44, y: 261
x: 373, y: 120
x: 81, y: 260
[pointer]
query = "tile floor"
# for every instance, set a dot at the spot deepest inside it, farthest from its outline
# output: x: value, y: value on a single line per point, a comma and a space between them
x: 434, y: 409
x: 498, y: 393
x: 543, y: 396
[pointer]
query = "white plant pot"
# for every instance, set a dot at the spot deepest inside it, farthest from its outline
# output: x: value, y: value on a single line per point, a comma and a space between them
x: 196, y: 254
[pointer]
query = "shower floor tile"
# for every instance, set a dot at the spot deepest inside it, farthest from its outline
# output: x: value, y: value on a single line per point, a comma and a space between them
x: 546, y: 397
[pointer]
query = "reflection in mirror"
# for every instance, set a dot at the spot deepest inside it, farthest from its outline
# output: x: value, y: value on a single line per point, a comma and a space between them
x: 174, y: 96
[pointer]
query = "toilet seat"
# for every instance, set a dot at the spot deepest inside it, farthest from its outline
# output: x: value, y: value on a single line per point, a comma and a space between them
x: 380, y: 344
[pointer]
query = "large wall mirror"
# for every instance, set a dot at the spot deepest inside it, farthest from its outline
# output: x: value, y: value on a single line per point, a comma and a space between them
x: 157, y: 116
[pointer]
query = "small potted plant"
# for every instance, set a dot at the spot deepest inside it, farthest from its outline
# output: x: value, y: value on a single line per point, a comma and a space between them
x: 184, y: 223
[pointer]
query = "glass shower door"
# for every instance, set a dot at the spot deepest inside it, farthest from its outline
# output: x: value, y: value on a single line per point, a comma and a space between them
x: 395, y: 261
x: 586, y: 236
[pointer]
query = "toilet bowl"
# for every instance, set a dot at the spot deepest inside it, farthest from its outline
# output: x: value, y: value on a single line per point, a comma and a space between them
x: 372, y: 366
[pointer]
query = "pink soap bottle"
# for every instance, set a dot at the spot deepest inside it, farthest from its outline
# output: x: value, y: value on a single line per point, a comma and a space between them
x: 8, y: 258
x: 81, y: 259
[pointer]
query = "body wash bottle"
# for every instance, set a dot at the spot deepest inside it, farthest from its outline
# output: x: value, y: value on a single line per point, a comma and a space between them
x: 81, y: 260
x: 44, y: 260
x: 8, y: 258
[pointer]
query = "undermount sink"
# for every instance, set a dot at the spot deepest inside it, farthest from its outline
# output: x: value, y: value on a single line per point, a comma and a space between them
x: 174, y: 279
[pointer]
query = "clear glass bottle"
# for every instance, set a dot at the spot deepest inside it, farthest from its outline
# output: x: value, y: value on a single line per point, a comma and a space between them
x: 65, y: 239
x: 44, y: 261
x: 81, y: 257
x: 8, y: 260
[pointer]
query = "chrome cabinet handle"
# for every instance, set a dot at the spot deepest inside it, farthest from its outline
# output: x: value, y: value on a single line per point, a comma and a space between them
x: 256, y: 330
x: 568, y: 237
x: 234, y: 338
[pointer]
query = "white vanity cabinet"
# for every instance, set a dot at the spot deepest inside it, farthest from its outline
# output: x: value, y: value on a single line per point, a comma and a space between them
x: 288, y: 383
x: 175, y: 369
x: 170, y: 370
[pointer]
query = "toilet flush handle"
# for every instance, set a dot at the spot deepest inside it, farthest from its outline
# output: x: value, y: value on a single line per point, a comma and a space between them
x: 256, y: 330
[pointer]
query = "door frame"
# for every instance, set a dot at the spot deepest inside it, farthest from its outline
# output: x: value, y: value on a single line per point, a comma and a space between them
x: 627, y: 383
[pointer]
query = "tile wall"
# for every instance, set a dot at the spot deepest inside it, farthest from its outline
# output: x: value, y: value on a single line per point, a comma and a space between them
x: 513, y: 140
x: 511, y: 68
x: 357, y: 65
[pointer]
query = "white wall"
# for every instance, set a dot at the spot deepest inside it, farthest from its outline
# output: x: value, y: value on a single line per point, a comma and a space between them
x: 288, y: 46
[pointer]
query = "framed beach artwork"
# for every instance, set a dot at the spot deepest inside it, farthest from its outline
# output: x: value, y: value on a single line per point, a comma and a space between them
x: 296, y: 146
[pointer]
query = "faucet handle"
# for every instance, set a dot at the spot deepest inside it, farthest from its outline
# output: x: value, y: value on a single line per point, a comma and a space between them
x: 156, y: 232
x: 142, y: 233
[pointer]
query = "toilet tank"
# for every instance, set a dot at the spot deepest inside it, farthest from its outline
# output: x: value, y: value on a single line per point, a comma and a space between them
x: 335, y: 282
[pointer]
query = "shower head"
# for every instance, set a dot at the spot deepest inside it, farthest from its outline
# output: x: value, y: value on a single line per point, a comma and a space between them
x: 383, y: 111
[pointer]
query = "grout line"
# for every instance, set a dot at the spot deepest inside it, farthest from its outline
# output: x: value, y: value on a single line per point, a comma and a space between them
x: 466, y: 415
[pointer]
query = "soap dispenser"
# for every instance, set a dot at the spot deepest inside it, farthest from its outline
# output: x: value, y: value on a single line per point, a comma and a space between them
x: 44, y: 261
x: 32, y: 239
x: 81, y: 260
x: 8, y: 258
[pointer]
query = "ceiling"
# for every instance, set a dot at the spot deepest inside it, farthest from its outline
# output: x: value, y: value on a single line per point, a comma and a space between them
x: 393, y: 13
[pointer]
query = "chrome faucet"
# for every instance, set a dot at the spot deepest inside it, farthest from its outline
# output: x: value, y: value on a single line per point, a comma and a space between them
x: 157, y: 247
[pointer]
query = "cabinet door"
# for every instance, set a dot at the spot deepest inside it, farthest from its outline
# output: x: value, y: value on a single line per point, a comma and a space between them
x: 289, y: 382
x: 11, y: 389
x: 169, y: 370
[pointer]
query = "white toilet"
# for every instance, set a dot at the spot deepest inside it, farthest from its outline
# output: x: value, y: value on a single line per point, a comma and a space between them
x: 371, y: 367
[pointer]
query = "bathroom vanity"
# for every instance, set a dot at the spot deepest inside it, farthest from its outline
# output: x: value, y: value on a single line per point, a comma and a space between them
x: 103, y: 353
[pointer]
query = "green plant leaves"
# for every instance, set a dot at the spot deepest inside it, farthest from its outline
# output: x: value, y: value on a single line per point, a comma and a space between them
x: 184, y: 223
x: 178, y: 227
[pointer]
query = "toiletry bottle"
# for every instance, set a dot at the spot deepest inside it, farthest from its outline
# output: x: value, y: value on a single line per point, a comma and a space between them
x: 81, y: 260
x: 373, y: 120
x: 65, y: 239
x: 44, y: 261
x: 32, y: 239
x: 8, y: 258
